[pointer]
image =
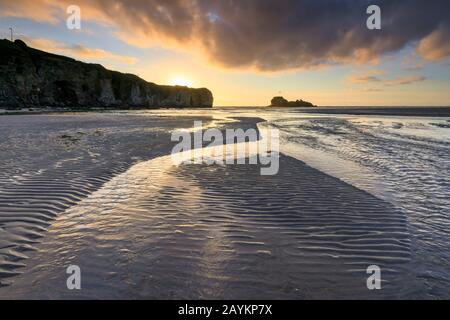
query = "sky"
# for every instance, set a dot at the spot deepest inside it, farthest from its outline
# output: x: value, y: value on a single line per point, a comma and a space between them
x: 248, y: 51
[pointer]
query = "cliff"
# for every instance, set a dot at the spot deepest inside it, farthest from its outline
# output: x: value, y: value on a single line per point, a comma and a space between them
x: 34, y: 78
x: 282, y: 102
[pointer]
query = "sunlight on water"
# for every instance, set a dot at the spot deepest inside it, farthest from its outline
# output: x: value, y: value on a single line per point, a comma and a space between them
x: 404, y: 160
x: 150, y: 225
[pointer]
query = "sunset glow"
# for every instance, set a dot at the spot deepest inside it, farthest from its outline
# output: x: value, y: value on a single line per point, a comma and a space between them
x: 258, y: 151
x: 181, y: 81
x: 328, y: 61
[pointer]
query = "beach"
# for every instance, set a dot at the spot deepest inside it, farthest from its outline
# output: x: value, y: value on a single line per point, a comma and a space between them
x: 99, y: 190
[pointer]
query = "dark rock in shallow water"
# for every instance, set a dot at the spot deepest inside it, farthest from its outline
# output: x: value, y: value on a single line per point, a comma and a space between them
x: 282, y: 102
x: 34, y: 78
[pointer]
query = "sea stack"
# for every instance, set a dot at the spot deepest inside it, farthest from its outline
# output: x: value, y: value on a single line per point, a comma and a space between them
x: 282, y: 102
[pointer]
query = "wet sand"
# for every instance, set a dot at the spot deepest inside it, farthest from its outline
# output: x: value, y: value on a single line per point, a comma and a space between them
x: 49, y: 163
x: 213, y: 232
x: 109, y: 200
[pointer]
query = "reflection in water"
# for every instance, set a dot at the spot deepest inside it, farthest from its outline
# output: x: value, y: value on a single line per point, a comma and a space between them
x: 197, y: 231
x: 157, y: 230
x: 403, y: 160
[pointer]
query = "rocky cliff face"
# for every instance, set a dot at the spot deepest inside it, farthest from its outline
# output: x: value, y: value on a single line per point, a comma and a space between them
x: 33, y: 78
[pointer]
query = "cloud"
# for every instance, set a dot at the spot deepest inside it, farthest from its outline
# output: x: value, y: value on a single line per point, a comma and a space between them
x: 371, y: 90
x: 271, y: 35
x: 370, y: 78
x: 363, y: 79
x: 436, y: 46
x: 38, y: 10
x: 86, y: 52
x: 405, y: 80
x: 78, y: 51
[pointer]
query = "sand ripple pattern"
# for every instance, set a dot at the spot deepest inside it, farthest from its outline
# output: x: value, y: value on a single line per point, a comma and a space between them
x: 403, y: 160
x: 50, y: 163
x: 196, y: 231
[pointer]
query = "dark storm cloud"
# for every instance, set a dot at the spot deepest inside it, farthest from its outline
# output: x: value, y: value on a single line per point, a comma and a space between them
x: 283, y: 34
x: 274, y: 35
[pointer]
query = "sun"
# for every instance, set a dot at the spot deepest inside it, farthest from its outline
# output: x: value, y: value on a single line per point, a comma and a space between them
x: 181, y: 81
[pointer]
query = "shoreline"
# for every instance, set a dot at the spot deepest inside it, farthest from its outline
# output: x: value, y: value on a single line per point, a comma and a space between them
x: 438, y: 112
x: 37, y: 111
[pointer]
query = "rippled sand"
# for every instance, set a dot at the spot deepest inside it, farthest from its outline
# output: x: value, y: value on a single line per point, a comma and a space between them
x: 402, y: 160
x: 49, y: 163
x: 99, y: 191
x: 161, y: 231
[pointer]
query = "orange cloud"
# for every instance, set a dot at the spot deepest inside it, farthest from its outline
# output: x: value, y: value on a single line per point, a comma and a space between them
x: 369, y: 76
x: 372, y: 90
x: 405, y: 80
x: 78, y: 51
x: 436, y: 46
x: 38, y: 10
x: 363, y: 79
x: 372, y: 76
